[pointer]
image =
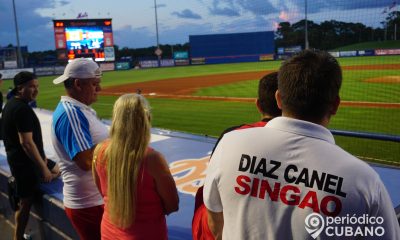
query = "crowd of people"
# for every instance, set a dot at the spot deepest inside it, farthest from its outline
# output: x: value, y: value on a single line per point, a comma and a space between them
x: 263, y: 180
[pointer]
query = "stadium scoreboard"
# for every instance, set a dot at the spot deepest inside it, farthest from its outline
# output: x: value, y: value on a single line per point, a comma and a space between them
x: 90, y: 38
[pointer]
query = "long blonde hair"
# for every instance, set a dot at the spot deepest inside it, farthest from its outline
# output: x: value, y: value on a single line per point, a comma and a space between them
x: 130, y: 136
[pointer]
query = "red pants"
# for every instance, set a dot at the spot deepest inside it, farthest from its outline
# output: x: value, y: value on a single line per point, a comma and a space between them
x: 200, y: 229
x: 86, y: 221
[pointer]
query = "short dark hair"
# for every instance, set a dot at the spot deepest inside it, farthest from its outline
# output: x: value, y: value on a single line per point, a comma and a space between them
x: 23, y: 77
x: 267, y: 87
x: 1, y: 75
x: 309, y: 84
x: 69, y: 83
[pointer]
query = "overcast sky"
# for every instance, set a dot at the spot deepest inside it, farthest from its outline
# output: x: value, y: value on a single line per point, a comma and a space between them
x: 134, y: 20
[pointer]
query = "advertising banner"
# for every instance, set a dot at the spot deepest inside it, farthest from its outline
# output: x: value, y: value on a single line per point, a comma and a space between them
x: 167, y: 62
x: 107, y: 67
x: 181, y: 55
x: 122, y: 66
x: 148, y: 64
x: 266, y: 57
x: 45, y: 71
x: 181, y: 62
x: 387, y: 51
x: 284, y: 53
x: 10, y: 73
x: 60, y: 41
x: 109, y: 54
x: 334, y: 54
x: 292, y: 50
x: 198, y: 61
x: 10, y: 64
x: 108, y: 39
x: 366, y: 53
x: 59, y: 70
x: 348, y: 53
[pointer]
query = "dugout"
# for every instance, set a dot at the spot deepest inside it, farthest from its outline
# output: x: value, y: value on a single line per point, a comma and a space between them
x: 232, y: 48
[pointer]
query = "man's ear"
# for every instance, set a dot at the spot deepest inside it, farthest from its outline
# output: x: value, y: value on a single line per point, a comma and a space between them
x: 335, y: 106
x: 77, y: 83
x: 278, y: 99
x: 19, y: 89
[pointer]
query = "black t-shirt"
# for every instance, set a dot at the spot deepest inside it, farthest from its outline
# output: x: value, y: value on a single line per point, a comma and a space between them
x: 1, y: 109
x: 18, y: 116
x: 1, y: 101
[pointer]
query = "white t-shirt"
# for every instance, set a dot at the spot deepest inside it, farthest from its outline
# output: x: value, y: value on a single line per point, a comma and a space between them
x: 76, y: 128
x: 266, y: 181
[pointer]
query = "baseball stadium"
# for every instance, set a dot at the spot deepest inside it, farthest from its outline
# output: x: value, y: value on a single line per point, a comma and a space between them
x: 196, y: 94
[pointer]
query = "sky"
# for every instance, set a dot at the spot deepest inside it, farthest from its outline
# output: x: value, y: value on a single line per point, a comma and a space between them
x: 134, y: 24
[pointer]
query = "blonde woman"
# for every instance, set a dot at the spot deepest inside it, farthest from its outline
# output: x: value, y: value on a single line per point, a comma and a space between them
x: 133, y: 178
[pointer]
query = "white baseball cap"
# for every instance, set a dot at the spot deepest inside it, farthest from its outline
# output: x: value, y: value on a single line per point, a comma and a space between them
x: 80, y: 68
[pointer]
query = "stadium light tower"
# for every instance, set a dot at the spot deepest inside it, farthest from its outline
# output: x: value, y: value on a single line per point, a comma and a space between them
x: 306, y: 44
x: 19, y: 55
x: 158, y: 50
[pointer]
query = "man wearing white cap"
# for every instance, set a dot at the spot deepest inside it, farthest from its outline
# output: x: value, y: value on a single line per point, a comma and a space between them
x: 75, y: 132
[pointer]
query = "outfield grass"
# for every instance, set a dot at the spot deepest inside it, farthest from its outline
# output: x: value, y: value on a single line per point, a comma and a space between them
x: 376, y: 151
x: 193, y: 116
x: 212, y: 117
x: 354, y: 87
x: 375, y: 120
x: 144, y: 75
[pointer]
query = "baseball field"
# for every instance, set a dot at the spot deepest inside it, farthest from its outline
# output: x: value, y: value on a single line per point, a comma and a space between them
x: 207, y: 99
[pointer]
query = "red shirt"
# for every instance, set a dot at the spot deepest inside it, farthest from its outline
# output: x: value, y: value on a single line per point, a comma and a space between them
x: 150, y: 220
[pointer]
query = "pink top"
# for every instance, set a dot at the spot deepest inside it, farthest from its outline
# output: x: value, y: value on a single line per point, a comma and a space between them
x: 150, y: 218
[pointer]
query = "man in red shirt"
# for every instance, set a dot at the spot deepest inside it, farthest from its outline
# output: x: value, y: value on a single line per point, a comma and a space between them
x: 266, y: 105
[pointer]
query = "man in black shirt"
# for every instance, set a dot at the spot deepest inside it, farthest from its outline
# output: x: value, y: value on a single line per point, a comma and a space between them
x: 1, y: 104
x: 1, y: 94
x: 24, y: 147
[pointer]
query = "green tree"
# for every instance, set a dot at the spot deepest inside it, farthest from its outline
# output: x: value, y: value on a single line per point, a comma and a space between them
x: 393, y: 24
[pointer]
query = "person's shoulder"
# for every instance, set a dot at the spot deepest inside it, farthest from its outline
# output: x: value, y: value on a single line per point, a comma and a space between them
x: 68, y: 105
x: 69, y: 109
x: 244, y: 126
x: 153, y: 156
x: 19, y: 105
x: 253, y: 125
x: 66, y: 118
x: 154, y: 161
x: 354, y: 165
x: 244, y: 131
x: 233, y: 128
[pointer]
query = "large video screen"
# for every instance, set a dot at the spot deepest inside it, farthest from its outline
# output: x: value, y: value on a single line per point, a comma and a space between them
x: 89, y: 38
x: 84, y: 38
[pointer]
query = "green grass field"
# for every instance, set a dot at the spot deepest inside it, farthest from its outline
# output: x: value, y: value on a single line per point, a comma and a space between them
x: 370, y: 45
x: 212, y: 117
